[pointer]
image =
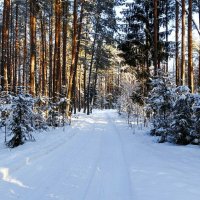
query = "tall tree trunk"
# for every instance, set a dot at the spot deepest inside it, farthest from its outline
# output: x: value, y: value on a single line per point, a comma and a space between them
x: 76, y: 58
x: 183, y: 45
x: 79, y: 95
x: 91, y: 66
x: 65, y: 32
x: 199, y: 44
x: 74, y: 46
x: 57, y: 64
x: 85, y: 74
x: 32, y: 46
x: 50, y: 52
x: 43, y: 56
x: 190, y: 64
x: 10, y: 50
x: 167, y: 41
x: 16, y: 50
x: 5, y: 42
x: 25, y: 48
x: 177, y: 46
x: 155, y: 14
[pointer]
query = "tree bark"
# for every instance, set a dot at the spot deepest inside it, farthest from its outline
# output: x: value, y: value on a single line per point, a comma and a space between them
x: 190, y: 64
x: 177, y: 46
x: 91, y: 66
x: 16, y: 77
x: 183, y: 45
x: 57, y: 64
x: 76, y: 58
x: 74, y: 48
x: 65, y: 32
x: 155, y: 14
x: 5, y: 46
x: 50, y: 52
x: 32, y: 46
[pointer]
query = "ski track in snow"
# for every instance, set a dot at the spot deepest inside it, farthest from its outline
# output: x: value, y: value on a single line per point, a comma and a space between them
x: 98, y: 158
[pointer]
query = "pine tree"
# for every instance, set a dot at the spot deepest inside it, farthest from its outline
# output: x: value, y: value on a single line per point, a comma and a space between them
x: 182, y: 124
x: 160, y: 102
x: 21, y: 120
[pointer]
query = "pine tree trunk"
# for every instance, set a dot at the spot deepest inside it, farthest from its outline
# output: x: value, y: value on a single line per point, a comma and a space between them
x: 50, y: 52
x: 177, y: 46
x: 190, y: 64
x: 91, y: 66
x: 199, y: 44
x: 57, y: 65
x: 5, y: 46
x: 167, y: 29
x: 43, y: 56
x: 25, y: 48
x: 16, y: 50
x: 183, y: 45
x: 76, y: 58
x: 11, y: 63
x: 32, y: 46
x: 84, y: 76
x: 10, y: 51
x: 155, y: 13
x: 74, y: 48
x: 65, y: 32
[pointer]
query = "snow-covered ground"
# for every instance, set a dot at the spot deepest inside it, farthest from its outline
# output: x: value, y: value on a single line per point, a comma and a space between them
x: 99, y: 158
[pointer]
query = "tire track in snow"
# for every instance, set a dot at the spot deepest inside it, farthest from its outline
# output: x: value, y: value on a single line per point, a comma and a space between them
x: 109, y: 177
x: 124, y: 156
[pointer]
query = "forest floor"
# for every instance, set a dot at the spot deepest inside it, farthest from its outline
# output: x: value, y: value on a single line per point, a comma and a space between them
x: 99, y: 158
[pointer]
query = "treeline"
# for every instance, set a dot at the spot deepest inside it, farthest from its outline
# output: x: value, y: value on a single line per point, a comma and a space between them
x: 147, y: 45
x: 160, y: 47
x: 54, y: 48
x: 59, y: 53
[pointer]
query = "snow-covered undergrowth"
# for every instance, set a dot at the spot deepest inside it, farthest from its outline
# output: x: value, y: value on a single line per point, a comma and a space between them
x: 99, y: 157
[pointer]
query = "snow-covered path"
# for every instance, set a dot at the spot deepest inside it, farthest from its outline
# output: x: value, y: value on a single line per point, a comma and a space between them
x: 99, y: 158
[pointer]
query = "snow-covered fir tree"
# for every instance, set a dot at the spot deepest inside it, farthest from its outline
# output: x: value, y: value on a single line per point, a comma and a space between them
x: 160, y: 102
x: 20, y: 122
x: 196, y: 120
x: 182, y: 124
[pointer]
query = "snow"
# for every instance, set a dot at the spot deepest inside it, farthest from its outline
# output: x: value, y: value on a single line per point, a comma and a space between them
x: 99, y: 158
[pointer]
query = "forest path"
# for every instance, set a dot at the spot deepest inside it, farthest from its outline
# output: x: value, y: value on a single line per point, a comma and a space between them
x: 99, y: 158
x: 87, y: 165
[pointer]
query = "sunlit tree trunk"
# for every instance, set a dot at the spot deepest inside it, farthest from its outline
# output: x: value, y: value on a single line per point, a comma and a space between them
x: 57, y: 50
x: 25, y: 48
x: 74, y: 46
x: 50, y: 52
x: 43, y: 56
x: 16, y: 77
x: 177, y: 46
x: 5, y: 46
x: 10, y: 50
x: 65, y: 32
x: 190, y: 64
x: 76, y: 58
x: 32, y: 46
x: 183, y: 45
x: 91, y: 66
